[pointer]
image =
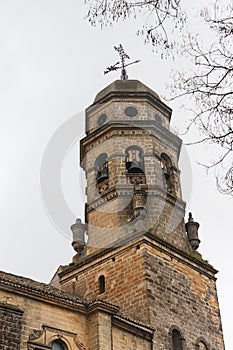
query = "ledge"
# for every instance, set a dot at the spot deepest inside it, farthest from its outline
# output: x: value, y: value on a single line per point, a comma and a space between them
x: 124, y: 86
x: 134, y: 327
x: 10, y: 307
x: 192, y: 260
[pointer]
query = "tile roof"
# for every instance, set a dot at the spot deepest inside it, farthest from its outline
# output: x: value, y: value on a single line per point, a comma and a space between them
x: 25, y: 285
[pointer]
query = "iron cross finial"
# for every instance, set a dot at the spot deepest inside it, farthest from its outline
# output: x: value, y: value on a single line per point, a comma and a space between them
x: 123, y: 56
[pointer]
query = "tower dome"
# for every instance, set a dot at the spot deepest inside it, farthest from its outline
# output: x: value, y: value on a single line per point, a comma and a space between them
x: 124, y: 88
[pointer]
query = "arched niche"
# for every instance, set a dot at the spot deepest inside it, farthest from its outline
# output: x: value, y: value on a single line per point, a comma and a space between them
x: 169, y: 175
x: 101, y: 284
x: 134, y: 160
x: 176, y: 339
x: 101, y: 172
x: 58, y: 344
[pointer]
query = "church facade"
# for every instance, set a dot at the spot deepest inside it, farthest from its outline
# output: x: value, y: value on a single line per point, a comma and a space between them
x: 137, y: 281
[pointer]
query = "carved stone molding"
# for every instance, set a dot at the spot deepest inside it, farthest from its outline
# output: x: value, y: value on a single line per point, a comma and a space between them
x: 137, y: 179
x: 35, y: 334
x: 42, y: 338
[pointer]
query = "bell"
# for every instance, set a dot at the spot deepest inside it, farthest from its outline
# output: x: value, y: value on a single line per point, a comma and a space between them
x: 134, y: 167
x: 166, y: 175
x: 102, y: 175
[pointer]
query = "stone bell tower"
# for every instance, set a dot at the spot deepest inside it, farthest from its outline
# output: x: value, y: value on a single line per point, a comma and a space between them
x: 131, y: 162
x: 140, y: 254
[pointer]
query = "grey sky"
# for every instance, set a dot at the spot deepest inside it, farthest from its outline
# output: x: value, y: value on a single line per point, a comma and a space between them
x: 51, y: 68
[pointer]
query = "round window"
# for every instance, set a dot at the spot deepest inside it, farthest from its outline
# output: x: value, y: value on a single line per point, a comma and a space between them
x: 101, y: 120
x: 131, y: 111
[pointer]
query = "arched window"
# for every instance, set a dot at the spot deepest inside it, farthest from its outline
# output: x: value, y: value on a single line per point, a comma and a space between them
x: 101, y: 284
x: 202, y: 345
x: 168, y: 175
x: 166, y: 165
x: 134, y: 160
x: 101, y: 170
x: 176, y: 340
x: 58, y: 345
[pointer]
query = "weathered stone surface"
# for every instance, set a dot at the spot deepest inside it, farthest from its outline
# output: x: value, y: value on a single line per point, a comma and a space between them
x: 158, y: 285
x: 10, y: 327
x: 109, y: 212
x: 139, y: 284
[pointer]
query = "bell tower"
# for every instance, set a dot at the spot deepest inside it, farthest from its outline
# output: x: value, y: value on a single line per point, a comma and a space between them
x: 140, y: 254
x: 130, y: 158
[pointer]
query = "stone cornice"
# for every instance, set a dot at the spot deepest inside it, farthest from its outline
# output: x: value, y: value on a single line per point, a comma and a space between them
x: 134, y: 327
x: 43, y: 292
x: 107, y: 131
x: 11, y: 308
x: 121, y: 90
x: 190, y: 259
x: 40, y: 291
x: 126, y: 191
x: 99, y: 305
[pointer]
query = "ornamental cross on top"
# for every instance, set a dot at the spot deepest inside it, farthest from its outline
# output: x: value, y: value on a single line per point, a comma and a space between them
x: 120, y: 65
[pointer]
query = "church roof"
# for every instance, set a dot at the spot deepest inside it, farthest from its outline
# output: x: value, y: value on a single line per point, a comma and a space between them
x: 27, y: 286
x: 31, y: 288
x: 125, y: 87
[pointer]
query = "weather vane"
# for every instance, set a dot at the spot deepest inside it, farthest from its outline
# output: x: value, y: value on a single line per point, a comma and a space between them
x: 120, y: 65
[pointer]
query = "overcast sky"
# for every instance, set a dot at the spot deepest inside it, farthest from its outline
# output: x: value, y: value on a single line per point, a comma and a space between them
x: 51, y: 68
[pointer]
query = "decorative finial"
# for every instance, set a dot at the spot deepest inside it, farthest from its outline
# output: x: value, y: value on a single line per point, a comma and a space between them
x: 123, y: 55
x: 192, y: 231
x: 190, y: 219
x: 78, y: 229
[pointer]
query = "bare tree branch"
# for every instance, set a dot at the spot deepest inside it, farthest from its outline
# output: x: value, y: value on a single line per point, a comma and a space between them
x: 160, y: 16
x: 210, y: 86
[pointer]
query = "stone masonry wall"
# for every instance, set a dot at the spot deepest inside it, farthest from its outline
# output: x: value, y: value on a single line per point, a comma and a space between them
x: 36, y: 314
x: 125, y: 283
x: 184, y: 298
x: 114, y: 111
x: 123, y: 341
x: 10, y: 327
x: 161, y: 289
x: 112, y: 209
x: 162, y: 219
x: 42, y: 323
x: 114, y: 143
x: 99, y: 330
